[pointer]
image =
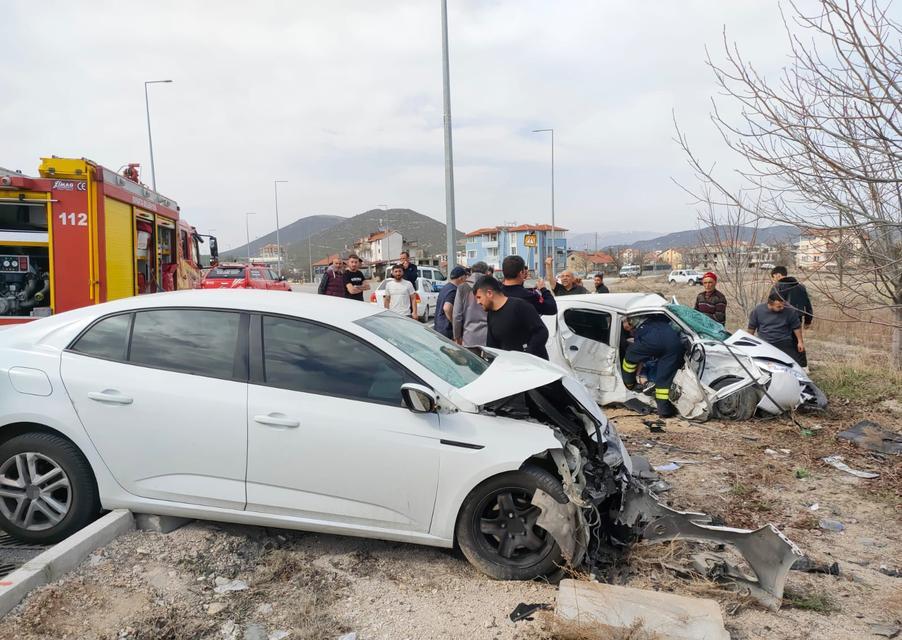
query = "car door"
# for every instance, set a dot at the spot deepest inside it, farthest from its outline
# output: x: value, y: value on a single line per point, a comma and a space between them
x: 329, y: 439
x: 162, y: 393
x: 585, y: 335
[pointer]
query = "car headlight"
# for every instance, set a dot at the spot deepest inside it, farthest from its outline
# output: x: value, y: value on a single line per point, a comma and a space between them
x: 773, y: 367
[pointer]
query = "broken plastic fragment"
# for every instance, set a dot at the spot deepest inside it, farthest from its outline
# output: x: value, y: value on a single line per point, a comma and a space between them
x: 837, y: 463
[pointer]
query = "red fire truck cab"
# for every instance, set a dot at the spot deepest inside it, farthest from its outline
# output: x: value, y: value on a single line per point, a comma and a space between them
x: 81, y: 234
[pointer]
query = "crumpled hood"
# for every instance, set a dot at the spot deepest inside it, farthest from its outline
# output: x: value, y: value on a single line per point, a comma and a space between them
x: 755, y: 347
x: 510, y: 373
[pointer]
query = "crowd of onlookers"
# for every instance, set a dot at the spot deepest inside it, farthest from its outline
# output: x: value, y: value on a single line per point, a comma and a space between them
x: 476, y: 308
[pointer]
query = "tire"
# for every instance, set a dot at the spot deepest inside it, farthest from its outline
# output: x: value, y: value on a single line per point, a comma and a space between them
x: 72, y: 504
x: 739, y: 406
x: 672, y: 281
x: 480, y: 527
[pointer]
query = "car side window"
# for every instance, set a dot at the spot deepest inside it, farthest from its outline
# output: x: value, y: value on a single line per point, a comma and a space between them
x: 198, y: 341
x: 304, y: 356
x: 108, y: 338
x: 589, y: 323
x: 256, y: 274
x: 270, y: 275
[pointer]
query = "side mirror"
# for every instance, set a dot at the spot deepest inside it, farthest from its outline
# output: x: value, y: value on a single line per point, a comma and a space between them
x: 283, y: 278
x: 418, y: 398
x: 214, y: 248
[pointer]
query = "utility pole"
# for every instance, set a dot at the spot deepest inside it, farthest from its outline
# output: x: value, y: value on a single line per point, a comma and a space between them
x: 449, y: 155
x: 553, y: 250
x: 247, y: 232
x: 153, y: 173
x: 310, y: 258
x: 275, y: 184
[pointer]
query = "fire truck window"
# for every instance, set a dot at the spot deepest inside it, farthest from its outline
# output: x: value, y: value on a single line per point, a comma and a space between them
x: 256, y: 274
x: 302, y: 356
x: 21, y: 216
x: 186, y: 246
x: 106, y: 339
x: 24, y: 281
x: 186, y: 340
x: 588, y: 323
x: 268, y: 274
x: 226, y: 272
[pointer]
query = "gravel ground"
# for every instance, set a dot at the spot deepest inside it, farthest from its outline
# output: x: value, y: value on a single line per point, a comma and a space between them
x: 308, y: 586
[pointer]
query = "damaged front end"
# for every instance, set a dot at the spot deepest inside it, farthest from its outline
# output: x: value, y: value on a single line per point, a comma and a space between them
x: 608, y: 507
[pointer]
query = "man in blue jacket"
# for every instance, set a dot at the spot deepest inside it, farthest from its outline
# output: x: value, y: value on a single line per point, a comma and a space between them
x: 654, y: 338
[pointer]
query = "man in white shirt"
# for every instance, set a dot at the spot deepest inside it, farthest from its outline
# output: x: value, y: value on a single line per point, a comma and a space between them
x: 400, y: 296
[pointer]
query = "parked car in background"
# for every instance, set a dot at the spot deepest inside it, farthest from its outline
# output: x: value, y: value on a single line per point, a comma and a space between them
x: 427, y: 297
x: 241, y: 276
x: 630, y: 271
x: 685, y: 276
x: 726, y: 376
x: 432, y: 273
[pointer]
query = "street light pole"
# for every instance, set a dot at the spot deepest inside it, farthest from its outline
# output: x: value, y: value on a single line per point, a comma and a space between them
x: 247, y: 231
x: 153, y: 174
x: 450, y: 226
x: 275, y: 184
x: 553, y: 252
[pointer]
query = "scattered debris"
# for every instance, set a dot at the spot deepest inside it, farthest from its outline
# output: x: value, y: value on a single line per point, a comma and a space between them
x: 892, y: 573
x: 524, y: 611
x: 885, y: 630
x: 349, y: 636
x: 808, y: 565
x: 637, y: 406
x: 255, y: 631
x: 224, y: 586
x: 280, y: 634
x: 831, y: 525
x: 814, y: 507
x: 655, y: 426
x: 837, y: 463
x: 660, y: 615
x: 660, y: 486
x: 216, y: 607
x: 872, y: 437
x: 670, y: 466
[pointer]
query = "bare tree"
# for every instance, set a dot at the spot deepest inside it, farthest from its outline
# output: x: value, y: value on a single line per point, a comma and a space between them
x: 822, y: 145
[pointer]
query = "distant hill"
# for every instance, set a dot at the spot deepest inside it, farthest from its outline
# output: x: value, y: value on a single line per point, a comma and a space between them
x: 290, y: 234
x: 582, y: 241
x: 427, y: 234
x: 695, y: 237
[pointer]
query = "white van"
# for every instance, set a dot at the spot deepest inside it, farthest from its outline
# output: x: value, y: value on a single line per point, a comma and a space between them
x: 630, y: 271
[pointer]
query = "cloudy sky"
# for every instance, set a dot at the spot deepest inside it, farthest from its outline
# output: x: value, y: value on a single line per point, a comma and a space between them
x: 344, y: 100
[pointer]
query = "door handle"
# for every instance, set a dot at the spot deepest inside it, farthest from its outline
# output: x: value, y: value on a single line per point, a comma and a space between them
x: 573, y: 347
x: 109, y: 396
x: 275, y: 420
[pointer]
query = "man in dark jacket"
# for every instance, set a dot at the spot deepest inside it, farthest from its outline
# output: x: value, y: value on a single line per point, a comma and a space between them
x: 795, y: 297
x: 712, y: 302
x: 515, y: 273
x: 411, y: 273
x: 793, y: 293
x: 568, y: 285
x: 444, y: 305
x: 513, y: 324
x: 600, y: 286
x: 656, y: 339
x: 333, y: 281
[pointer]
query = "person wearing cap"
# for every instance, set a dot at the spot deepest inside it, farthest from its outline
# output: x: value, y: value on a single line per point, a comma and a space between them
x: 444, y: 307
x: 654, y: 338
x: 712, y: 302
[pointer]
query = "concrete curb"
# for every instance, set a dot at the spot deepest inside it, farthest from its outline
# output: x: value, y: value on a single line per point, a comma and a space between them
x: 62, y: 557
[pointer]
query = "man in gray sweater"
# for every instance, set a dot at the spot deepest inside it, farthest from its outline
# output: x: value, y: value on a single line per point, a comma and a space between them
x: 468, y: 320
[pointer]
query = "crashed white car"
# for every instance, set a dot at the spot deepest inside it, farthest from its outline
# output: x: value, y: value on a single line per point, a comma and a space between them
x: 329, y: 416
x: 725, y: 376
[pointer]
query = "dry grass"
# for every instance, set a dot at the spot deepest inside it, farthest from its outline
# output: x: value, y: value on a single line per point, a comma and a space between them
x: 553, y: 628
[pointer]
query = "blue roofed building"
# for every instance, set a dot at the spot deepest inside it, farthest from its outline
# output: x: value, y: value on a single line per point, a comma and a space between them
x: 530, y: 241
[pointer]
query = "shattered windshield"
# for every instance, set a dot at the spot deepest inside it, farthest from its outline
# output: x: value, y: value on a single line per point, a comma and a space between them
x: 699, y: 322
x: 452, y: 363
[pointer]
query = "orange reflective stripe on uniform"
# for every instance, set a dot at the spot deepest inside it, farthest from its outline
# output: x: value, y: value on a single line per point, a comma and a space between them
x: 662, y: 394
x: 629, y: 367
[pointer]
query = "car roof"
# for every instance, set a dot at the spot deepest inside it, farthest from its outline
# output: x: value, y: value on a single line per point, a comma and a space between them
x: 622, y: 302
x: 328, y: 309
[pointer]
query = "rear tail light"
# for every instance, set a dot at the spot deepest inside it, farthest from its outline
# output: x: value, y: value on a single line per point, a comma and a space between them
x: 373, y: 297
x: 418, y: 298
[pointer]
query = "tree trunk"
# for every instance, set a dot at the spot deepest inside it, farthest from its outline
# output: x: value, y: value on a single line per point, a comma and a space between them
x: 896, y: 351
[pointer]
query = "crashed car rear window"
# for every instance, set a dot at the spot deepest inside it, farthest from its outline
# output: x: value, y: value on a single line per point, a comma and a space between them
x: 226, y: 272
x: 452, y: 363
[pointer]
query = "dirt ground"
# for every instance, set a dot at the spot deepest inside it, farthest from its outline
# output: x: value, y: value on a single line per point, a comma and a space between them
x: 306, y: 586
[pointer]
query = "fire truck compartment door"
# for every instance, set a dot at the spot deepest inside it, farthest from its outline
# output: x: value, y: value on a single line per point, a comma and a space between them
x: 119, y: 237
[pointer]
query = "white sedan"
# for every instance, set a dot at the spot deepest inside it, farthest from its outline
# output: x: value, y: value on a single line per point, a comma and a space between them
x: 331, y: 416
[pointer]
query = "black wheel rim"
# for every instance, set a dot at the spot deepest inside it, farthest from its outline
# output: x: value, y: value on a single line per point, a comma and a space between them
x: 504, y: 527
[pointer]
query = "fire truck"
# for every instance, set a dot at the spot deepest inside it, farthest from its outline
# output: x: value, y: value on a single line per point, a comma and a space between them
x: 81, y: 234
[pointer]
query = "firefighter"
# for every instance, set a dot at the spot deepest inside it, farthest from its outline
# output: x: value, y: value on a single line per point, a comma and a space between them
x: 654, y: 338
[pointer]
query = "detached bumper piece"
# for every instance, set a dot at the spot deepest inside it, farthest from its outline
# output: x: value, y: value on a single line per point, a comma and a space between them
x: 769, y: 553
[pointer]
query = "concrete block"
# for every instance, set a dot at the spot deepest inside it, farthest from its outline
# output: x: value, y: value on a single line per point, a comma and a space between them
x: 158, y: 523
x: 62, y: 557
x: 661, y: 615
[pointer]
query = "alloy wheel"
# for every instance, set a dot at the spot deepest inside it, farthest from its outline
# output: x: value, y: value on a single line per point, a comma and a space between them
x: 506, y: 520
x: 35, y: 492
